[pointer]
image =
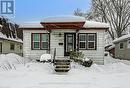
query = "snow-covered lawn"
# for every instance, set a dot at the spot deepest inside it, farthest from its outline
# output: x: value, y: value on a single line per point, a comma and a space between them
x: 114, y: 74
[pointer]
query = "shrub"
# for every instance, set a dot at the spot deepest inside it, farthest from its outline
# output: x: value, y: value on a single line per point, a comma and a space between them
x: 78, y: 57
x: 87, y: 63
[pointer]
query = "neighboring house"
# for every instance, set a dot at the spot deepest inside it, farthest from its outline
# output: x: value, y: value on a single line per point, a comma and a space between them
x: 122, y: 47
x: 10, y: 45
x: 64, y: 34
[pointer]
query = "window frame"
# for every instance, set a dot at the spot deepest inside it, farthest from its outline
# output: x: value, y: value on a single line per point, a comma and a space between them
x: 120, y: 45
x: 87, y: 48
x: 82, y: 41
x: 128, y: 44
x: 44, y: 41
x: 13, y: 47
x: 40, y: 43
x: 91, y: 41
x: 35, y: 41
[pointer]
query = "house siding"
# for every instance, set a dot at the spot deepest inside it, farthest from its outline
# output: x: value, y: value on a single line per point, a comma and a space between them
x: 122, y: 53
x: 6, y: 47
x: 96, y: 55
x: 27, y: 50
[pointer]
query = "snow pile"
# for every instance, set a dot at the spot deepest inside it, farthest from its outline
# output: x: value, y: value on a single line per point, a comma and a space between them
x: 86, y: 59
x: 45, y: 57
x: 109, y: 60
x: 122, y: 38
x: 9, y: 61
x: 46, y: 68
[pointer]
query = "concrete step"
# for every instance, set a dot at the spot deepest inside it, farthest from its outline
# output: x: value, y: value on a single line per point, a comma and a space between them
x: 62, y: 65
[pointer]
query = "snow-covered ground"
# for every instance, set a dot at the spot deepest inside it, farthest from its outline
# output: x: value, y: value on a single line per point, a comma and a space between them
x: 114, y: 74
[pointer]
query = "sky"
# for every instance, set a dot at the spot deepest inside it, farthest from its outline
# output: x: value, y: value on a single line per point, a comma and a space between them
x: 34, y: 10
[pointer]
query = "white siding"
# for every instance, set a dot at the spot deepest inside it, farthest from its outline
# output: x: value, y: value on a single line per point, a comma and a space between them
x: 96, y: 55
x: 27, y: 52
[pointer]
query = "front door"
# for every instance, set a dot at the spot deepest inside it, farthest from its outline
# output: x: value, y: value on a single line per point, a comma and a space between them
x: 69, y: 43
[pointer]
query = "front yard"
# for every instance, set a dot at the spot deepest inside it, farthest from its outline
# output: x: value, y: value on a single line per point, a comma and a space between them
x: 114, y: 74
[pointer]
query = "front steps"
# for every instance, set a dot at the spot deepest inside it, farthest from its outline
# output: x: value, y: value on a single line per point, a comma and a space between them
x: 62, y: 65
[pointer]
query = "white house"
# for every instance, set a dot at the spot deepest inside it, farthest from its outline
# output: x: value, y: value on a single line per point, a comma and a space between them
x: 64, y: 34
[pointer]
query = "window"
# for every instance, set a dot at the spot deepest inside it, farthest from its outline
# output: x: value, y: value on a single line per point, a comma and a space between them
x: 128, y: 44
x: 36, y: 41
x: 87, y: 41
x: 40, y: 41
x: 82, y: 41
x: 91, y: 41
x: 121, y: 45
x: 12, y: 46
x: 20, y: 47
x: 44, y: 41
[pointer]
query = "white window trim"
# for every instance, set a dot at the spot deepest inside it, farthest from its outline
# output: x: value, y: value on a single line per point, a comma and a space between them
x: 91, y: 41
x: 45, y: 41
x: 82, y: 41
x: 36, y: 41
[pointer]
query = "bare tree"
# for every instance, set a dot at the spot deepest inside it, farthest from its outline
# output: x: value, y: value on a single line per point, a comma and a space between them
x: 9, y: 28
x: 114, y: 12
x: 78, y: 12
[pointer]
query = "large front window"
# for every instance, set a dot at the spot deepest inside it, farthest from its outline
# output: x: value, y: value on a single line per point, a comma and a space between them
x: 87, y: 41
x: 40, y: 41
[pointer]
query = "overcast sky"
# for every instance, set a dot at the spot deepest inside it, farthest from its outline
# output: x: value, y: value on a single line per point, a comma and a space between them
x: 33, y: 10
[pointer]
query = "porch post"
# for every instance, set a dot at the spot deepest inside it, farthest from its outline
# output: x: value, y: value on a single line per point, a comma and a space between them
x: 49, y: 50
x: 77, y: 39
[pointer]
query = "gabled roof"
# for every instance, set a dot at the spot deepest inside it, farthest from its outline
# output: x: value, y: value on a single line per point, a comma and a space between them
x: 125, y: 37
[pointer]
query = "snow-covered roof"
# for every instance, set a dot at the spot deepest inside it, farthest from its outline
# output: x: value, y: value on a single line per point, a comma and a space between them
x: 31, y: 25
x: 64, y: 19
x: 122, y: 38
x: 111, y: 47
x: 93, y: 24
x: 11, y: 39
x: 60, y: 19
